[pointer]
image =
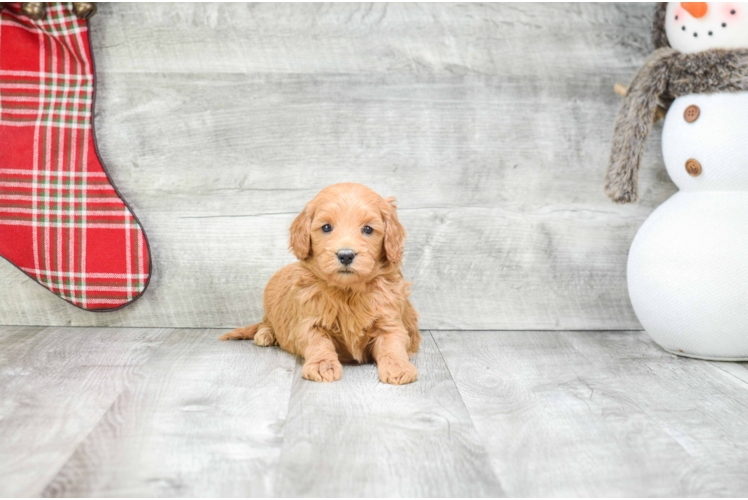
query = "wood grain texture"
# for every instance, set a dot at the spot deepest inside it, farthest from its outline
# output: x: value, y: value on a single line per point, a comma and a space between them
x: 490, y: 123
x: 359, y: 437
x: 701, y: 404
x: 601, y: 414
x: 146, y: 412
x: 205, y: 419
x: 55, y: 385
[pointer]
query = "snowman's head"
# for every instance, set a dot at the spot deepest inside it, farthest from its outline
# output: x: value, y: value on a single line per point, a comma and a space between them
x: 697, y: 26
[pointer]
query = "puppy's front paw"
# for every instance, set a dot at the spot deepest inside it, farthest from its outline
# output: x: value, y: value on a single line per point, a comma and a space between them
x: 325, y: 370
x: 396, y: 371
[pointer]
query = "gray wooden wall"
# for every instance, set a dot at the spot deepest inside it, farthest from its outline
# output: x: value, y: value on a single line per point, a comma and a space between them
x: 490, y: 123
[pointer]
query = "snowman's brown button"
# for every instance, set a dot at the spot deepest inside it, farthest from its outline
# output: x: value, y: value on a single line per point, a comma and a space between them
x: 693, y: 167
x: 691, y: 113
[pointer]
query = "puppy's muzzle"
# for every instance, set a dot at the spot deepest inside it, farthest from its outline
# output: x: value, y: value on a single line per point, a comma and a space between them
x: 346, y: 256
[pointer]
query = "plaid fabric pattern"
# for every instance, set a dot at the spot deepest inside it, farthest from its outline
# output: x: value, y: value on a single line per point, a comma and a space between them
x: 61, y: 220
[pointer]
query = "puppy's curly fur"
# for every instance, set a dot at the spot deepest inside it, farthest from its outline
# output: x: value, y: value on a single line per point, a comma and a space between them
x: 330, y: 311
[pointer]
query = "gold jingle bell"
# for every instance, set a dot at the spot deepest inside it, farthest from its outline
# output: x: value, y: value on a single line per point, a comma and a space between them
x: 34, y: 10
x: 84, y: 10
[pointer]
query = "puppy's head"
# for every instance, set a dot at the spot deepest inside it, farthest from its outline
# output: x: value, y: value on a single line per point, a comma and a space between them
x: 347, y: 234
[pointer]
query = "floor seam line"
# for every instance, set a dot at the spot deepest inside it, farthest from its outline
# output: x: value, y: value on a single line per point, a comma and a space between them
x: 105, y: 412
x: 470, y: 415
x: 713, y: 363
x: 274, y: 482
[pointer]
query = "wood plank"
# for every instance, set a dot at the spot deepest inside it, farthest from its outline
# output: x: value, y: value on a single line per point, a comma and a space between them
x: 737, y: 370
x: 205, y: 419
x: 55, y: 385
x: 490, y: 123
x: 355, y: 38
x: 507, y: 278
x: 569, y: 414
x: 359, y: 437
x: 15, y: 344
x: 701, y: 404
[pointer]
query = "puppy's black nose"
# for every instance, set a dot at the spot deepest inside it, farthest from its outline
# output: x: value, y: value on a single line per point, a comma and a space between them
x: 346, y: 256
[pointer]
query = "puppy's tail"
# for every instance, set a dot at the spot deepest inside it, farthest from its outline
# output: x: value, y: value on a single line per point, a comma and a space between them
x: 245, y: 333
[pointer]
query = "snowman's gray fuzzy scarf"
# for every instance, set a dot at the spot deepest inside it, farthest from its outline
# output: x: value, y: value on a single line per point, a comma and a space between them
x: 666, y: 75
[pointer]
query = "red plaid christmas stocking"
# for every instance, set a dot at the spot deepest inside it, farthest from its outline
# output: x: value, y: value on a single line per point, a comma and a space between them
x: 62, y: 222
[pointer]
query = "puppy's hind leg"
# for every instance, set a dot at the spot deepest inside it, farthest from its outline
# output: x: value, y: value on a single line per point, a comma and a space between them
x: 262, y: 334
x: 265, y: 336
x: 244, y: 333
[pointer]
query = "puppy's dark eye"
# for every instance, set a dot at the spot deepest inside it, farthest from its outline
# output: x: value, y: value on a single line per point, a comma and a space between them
x: 326, y: 228
x: 367, y: 230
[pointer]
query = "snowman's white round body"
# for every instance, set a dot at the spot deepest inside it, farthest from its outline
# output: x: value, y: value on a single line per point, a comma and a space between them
x: 688, y: 264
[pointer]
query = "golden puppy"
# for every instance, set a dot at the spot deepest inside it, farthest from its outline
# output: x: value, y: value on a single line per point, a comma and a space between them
x: 345, y: 299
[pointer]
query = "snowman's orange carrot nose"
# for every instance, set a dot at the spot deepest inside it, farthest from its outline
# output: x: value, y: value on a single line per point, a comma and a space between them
x: 696, y: 9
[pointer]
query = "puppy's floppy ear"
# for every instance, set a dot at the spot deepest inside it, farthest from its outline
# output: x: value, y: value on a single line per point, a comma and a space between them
x: 301, y: 234
x: 394, y: 232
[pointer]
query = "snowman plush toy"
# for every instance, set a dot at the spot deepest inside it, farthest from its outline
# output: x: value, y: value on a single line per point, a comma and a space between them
x: 688, y: 264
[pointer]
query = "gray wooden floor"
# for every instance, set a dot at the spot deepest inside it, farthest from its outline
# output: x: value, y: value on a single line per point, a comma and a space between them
x: 159, y: 412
